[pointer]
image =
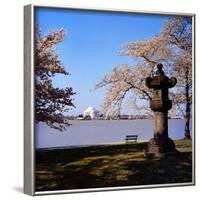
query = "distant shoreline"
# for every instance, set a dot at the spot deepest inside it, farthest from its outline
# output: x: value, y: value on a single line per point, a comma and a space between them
x: 119, y: 119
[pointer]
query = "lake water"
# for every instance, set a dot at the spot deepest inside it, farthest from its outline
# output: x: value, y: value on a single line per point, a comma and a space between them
x: 94, y: 132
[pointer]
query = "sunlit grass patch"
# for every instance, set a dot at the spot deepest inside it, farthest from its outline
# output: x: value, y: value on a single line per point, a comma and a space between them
x: 184, y: 145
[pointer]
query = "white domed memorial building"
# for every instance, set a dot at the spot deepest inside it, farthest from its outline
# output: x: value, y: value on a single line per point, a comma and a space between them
x: 91, y: 112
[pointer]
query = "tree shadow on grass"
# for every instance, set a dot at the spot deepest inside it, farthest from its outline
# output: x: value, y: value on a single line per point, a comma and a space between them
x: 108, y: 166
x: 173, y: 169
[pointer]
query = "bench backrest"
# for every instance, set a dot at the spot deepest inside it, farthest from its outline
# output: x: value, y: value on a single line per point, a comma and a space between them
x: 131, y: 136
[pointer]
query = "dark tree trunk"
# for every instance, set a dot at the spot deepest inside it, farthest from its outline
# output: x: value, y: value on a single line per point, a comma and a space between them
x: 187, y: 121
x: 187, y: 108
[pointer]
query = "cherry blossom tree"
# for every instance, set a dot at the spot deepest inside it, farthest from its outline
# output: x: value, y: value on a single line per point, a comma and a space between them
x: 50, y: 102
x: 173, y: 48
x: 178, y: 32
x: 126, y: 79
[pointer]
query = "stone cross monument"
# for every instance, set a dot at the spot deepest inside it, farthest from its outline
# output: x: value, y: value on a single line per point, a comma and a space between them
x: 160, y: 144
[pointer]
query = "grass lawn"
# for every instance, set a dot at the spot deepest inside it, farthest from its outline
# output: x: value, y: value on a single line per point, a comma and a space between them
x: 110, y: 165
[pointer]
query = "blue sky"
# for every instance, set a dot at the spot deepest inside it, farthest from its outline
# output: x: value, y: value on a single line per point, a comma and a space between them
x: 91, y: 46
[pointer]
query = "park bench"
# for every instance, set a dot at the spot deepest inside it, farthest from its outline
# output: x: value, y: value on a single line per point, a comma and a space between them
x: 131, y: 138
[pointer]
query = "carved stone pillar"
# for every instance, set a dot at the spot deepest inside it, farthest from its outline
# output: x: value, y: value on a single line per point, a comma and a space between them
x: 160, y: 144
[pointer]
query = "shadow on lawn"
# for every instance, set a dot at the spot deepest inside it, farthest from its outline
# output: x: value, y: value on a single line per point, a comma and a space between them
x: 108, y: 166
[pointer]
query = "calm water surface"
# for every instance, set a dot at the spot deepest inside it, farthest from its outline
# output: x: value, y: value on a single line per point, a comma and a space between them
x: 101, y: 132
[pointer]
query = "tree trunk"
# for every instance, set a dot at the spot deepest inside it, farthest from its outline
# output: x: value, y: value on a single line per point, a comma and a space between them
x: 187, y: 121
x: 187, y: 109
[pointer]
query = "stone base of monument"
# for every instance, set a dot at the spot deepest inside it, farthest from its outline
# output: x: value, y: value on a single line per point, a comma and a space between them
x: 160, y: 148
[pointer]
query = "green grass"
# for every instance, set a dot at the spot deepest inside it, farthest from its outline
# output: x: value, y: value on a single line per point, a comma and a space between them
x: 110, y: 166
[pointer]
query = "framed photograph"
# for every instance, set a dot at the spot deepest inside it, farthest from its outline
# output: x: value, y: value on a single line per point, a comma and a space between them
x: 109, y: 99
